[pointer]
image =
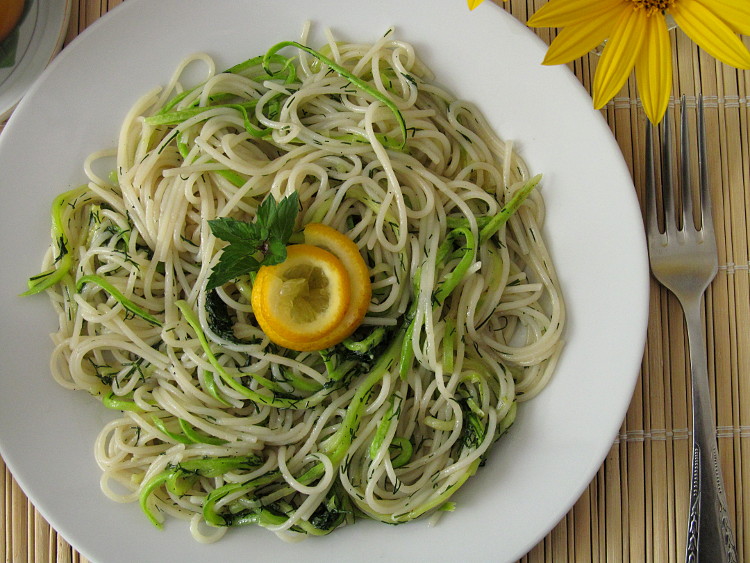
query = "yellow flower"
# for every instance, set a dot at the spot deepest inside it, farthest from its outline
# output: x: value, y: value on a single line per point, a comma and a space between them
x: 637, y: 36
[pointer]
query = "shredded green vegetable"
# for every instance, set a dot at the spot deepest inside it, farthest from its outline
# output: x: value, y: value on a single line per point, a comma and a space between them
x: 358, y: 82
x: 117, y: 294
x: 509, y: 209
x: 63, y: 260
x: 180, y: 478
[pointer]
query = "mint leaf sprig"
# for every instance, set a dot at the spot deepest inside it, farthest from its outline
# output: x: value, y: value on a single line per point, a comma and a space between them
x: 252, y: 245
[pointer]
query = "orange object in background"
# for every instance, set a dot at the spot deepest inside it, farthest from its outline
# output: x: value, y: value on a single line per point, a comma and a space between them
x: 10, y: 13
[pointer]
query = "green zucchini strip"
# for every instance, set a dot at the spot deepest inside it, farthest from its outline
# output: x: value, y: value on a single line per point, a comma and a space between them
x: 178, y: 479
x: 361, y: 84
x: 446, y: 287
x: 508, y: 209
x: 117, y: 294
x: 274, y: 401
x: 64, y: 260
x: 112, y: 401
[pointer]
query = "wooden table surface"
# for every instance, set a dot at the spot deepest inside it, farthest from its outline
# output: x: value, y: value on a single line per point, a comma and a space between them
x: 635, y: 508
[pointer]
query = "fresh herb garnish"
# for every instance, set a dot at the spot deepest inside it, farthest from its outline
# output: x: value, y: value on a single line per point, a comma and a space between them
x: 219, y: 321
x: 252, y: 245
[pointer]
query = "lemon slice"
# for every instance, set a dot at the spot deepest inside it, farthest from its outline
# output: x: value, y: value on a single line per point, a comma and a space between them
x: 299, y: 302
x: 303, y: 298
x: 360, y: 288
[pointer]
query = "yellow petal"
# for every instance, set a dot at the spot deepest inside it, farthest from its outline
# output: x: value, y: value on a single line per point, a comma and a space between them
x: 710, y: 33
x: 619, y: 56
x: 735, y: 13
x: 561, y: 13
x: 474, y: 3
x: 653, y: 69
x: 576, y: 40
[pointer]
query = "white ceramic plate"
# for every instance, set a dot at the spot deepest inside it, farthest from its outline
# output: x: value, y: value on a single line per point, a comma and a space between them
x: 40, y: 36
x: 535, y: 473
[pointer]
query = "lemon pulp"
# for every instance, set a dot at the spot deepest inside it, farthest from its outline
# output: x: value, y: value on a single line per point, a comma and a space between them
x: 303, y: 298
x: 304, y: 293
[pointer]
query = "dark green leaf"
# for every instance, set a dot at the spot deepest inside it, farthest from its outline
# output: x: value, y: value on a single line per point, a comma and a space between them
x: 235, y: 261
x: 254, y: 244
x: 275, y: 254
x: 217, y: 315
x: 266, y: 213
x: 286, y: 217
x: 234, y: 231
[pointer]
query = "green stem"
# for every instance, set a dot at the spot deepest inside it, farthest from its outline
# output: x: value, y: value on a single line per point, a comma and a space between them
x: 278, y: 402
x: 446, y: 287
x: 112, y: 401
x: 407, y: 353
x: 366, y: 344
x: 149, y: 488
x: 64, y: 260
x: 217, y: 466
x: 213, y: 389
x: 337, y: 446
x: 361, y: 84
x: 177, y: 117
x: 382, y: 430
x: 117, y: 295
x: 198, y: 437
x: 405, y: 453
x: 180, y: 478
x: 445, y: 495
x: 508, y: 209
x: 209, y: 504
x: 159, y: 423
x: 448, y: 344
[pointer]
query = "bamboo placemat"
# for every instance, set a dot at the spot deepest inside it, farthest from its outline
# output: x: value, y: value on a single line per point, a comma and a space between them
x: 635, y: 508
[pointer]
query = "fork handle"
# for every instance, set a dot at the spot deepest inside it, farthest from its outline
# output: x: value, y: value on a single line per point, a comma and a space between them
x: 709, y: 535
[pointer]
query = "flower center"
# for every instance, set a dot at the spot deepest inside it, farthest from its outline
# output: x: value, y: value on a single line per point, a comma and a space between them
x: 651, y: 6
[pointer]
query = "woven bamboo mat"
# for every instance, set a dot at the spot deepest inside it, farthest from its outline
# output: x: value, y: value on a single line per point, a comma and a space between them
x: 635, y: 508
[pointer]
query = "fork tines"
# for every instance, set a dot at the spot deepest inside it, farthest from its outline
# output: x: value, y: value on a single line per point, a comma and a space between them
x: 677, y: 215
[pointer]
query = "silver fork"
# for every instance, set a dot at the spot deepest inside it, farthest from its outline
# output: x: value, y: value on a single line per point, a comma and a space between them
x: 684, y: 260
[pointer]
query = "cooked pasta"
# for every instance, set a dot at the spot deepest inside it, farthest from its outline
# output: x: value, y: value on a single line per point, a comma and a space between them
x: 219, y: 425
